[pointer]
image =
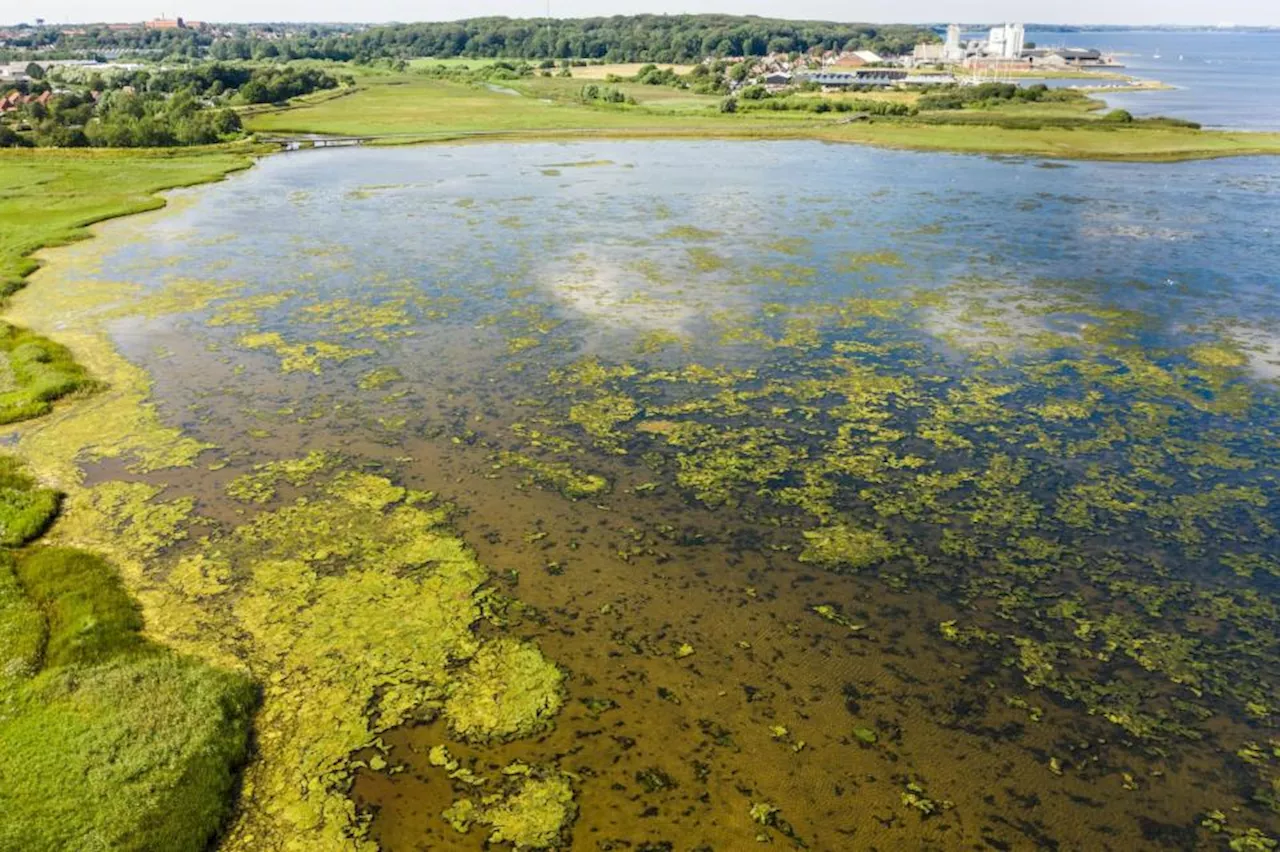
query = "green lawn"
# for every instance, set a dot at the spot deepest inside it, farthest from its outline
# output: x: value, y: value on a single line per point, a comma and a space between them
x: 422, y: 105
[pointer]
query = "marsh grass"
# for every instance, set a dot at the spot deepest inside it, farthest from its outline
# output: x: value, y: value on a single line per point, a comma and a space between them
x: 49, y: 196
x: 25, y: 508
x: 107, y: 740
x: 114, y: 742
x: 37, y: 372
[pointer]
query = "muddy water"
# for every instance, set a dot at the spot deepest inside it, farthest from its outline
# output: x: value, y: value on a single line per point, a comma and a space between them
x: 934, y: 498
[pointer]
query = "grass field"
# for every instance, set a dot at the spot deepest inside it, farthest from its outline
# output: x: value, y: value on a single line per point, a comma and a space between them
x: 413, y: 108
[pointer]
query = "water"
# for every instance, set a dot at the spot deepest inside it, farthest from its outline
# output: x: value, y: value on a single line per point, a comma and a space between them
x: 1223, y: 78
x: 955, y: 475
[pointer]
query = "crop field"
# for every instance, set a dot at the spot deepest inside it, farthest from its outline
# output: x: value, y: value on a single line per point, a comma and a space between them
x: 622, y: 69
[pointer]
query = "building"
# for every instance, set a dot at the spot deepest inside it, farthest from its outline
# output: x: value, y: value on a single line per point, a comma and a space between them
x: 165, y: 24
x: 997, y: 63
x: 856, y: 59
x: 952, y: 49
x: 1066, y: 57
x: 950, y: 52
x: 929, y: 52
x: 1006, y: 42
x: 862, y: 77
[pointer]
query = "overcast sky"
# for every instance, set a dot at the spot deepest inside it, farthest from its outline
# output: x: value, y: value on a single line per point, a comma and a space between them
x: 1056, y: 11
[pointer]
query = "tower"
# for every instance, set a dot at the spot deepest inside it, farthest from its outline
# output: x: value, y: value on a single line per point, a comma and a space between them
x: 952, y: 50
x: 1014, y: 38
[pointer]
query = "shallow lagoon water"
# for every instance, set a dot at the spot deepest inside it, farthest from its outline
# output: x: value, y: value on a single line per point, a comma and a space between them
x: 927, y: 499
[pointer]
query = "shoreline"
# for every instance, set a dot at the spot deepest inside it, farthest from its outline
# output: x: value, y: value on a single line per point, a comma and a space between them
x: 905, y: 136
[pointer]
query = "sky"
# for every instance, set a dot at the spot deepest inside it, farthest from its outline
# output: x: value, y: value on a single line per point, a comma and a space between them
x: 1250, y: 12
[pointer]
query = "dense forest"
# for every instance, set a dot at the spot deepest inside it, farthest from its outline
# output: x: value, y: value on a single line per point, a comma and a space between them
x: 639, y: 38
x: 636, y: 38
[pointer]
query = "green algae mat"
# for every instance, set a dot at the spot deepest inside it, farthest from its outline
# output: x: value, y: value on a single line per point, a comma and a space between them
x: 656, y: 495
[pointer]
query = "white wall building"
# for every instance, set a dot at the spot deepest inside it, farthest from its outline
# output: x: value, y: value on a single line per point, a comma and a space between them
x: 1006, y: 42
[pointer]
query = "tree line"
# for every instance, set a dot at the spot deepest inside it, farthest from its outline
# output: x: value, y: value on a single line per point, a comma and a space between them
x: 620, y: 38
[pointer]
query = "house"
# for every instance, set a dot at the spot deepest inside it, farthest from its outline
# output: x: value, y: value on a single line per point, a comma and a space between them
x: 165, y: 24
x: 14, y: 73
x: 856, y: 59
x: 776, y: 78
x: 15, y: 99
x: 1066, y: 57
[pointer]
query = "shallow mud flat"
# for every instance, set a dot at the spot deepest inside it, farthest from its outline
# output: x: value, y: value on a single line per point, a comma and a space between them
x: 691, y: 495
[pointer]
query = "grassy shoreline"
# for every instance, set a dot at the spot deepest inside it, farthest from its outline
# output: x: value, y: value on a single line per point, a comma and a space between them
x: 50, y: 196
x: 415, y: 109
x: 106, y: 736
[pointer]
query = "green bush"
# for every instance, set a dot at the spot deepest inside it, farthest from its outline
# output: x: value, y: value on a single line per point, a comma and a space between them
x: 1119, y: 115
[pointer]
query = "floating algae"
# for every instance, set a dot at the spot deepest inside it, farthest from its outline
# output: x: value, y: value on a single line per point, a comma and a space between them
x: 380, y: 378
x: 507, y: 690
x: 301, y: 357
x: 352, y: 607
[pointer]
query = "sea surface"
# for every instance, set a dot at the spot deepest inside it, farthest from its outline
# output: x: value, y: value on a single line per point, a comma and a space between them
x: 1222, y: 78
x: 868, y: 499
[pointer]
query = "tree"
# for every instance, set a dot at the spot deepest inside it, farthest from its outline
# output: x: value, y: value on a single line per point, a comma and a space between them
x: 35, y: 71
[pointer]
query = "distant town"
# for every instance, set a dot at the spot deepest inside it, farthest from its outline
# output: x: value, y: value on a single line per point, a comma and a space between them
x: 1004, y: 51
